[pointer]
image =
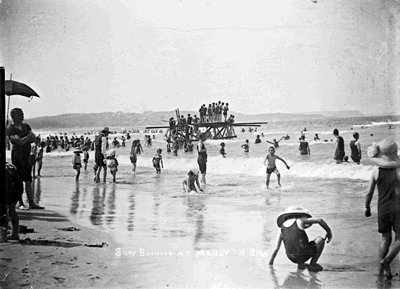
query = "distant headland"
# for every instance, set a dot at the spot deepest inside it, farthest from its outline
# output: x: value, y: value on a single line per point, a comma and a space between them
x: 146, y: 118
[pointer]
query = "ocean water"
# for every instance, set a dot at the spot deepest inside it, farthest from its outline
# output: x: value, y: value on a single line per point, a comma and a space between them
x: 225, y: 235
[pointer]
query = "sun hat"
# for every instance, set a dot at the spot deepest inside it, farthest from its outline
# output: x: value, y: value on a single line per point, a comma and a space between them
x: 77, y: 151
x: 384, y: 154
x: 195, y: 170
x: 292, y: 212
x: 106, y: 130
x: 111, y: 152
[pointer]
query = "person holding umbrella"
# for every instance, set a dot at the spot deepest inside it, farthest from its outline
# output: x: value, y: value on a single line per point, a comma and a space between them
x: 21, y: 136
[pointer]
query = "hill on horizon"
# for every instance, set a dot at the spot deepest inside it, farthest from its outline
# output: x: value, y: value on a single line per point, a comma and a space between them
x: 155, y: 118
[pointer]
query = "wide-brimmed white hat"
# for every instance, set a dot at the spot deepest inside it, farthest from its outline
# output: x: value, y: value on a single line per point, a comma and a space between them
x: 384, y: 154
x: 77, y: 151
x: 111, y: 153
x: 292, y: 212
x: 195, y: 170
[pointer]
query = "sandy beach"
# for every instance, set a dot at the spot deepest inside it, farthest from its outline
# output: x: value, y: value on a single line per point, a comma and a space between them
x: 58, y: 253
x: 173, y: 241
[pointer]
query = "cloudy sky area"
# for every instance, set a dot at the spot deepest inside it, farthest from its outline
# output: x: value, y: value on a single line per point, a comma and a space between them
x: 259, y: 56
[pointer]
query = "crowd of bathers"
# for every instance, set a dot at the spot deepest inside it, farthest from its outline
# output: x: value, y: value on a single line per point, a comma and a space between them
x: 214, y: 112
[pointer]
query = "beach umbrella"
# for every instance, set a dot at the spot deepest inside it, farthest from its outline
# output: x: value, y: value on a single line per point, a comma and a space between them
x: 12, y: 87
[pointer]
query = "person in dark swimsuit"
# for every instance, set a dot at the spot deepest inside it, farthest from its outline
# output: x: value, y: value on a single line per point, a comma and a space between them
x: 387, y: 178
x: 292, y: 223
x: 339, y: 150
x: 21, y: 137
x: 100, y: 154
x: 304, y: 146
x: 202, y: 158
x: 355, y: 148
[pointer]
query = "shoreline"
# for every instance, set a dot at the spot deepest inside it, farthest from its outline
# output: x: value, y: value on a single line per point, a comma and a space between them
x: 58, y: 253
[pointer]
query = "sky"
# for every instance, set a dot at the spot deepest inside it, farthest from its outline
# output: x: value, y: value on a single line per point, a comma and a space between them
x: 260, y: 56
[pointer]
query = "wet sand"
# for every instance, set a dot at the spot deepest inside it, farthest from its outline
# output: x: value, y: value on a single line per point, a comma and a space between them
x: 173, y: 241
x: 58, y: 254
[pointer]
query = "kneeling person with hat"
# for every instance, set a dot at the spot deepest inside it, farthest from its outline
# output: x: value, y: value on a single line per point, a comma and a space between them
x: 192, y: 179
x: 292, y: 223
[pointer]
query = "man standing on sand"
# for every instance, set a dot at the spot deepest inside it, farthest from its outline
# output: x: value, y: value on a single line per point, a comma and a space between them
x: 100, y: 154
x: 21, y: 137
x: 339, y: 150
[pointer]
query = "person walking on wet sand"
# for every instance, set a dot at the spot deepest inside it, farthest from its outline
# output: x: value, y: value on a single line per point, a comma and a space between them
x: 100, y: 154
x: 77, y: 163
x: 269, y: 162
x: 292, y: 224
x: 112, y: 164
x: 386, y: 177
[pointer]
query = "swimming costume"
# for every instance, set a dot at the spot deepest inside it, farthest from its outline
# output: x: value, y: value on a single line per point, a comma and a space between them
x: 354, y: 152
x: 388, y: 201
x: 98, y: 156
x: 272, y: 170
x: 298, y: 248
x: 202, y: 159
x: 303, y: 148
x: 339, y: 152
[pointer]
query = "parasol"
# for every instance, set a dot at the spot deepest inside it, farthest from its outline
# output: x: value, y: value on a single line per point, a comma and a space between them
x: 12, y: 87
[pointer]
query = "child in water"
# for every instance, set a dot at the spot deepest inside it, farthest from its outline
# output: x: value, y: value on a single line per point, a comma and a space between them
x: 192, y: 179
x: 176, y: 147
x: 276, y: 142
x: 269, y: 161
x: 77, y: 163
x: 292, y: 223
x: 222, y: 150
x: 157, y: 161
x: 246, y: 146
x: 112, y: 164
x: 387, y: 178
